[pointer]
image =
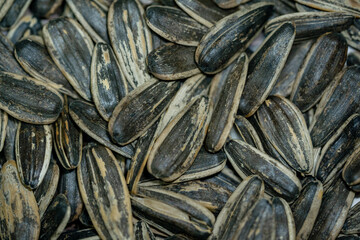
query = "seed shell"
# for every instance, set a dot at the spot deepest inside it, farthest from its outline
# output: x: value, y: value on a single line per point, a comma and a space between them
x: 71, y: 48
x: 45, y: 8
x: 174, y: 25
x: 130, y: 39
x: 236, y: 208
x: 312, y: 24
x: 33, y: 151
x: 89, y: 120
x: 91, y: 17
x: 105, y: 194
x: 45, y: 192
x: 36, y: 61
x: 337, y: 150
x: 172, y: 62
x: 108, y: 84
x: 265, y: 67
x: 143, y: 231
x: 284, y: 220
x: 229, y: 37
x: 350, y: 6
x: 223, y: 116
x: 332, y: 214
x: 140, y: 109
x: 4, y: 7
x: 19, y: 213
x: 3, y: 125
x: 352, y: 223
x: 23, y: 98
x: 26, y: 26
x: 351, y: 169
x: 247, y: 132
x: 14, y: 13
x: 278, y: 179
x: 175, y: 149
x: 205, y: 12
x: 55, y: 218
x: 338, y: 103
x: 328, y: 54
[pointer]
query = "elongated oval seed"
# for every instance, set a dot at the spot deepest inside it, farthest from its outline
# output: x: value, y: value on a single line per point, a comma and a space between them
x: 105, y: 194
x: 24, y: 27
x: 175, y: 25
x: 35, y: 59
x: 177, y: 146
x: 265, y: 67
x: 247, y: 132
x: 223, y: 116
x: 140, y: 109
x: 285, y: 128
x: 328, y: 54
x: 108, y: 84
x: 306, y: 208
x: 235, y: 209
x: 71, y: 48
x: 23, y: 98
x: 350, y: 6
x: 351, y: 170
x: 89, y: 120
x: 172, y: 61
x: 312, y: 24
x: 14, y: 13
x: 130, y: 39
x: 229, y: 37
x: 33, y: 151
x: 19, y: 213
x: 92, y: 17
x: 276, y: 176
x: 284, y: 220
x: 338, y: 103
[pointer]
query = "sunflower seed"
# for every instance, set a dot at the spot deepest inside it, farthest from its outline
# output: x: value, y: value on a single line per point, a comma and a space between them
x: 306, y: 208
x: 174, y: 25
x: 33, y: 151
x: 335, y: 205
x: 278, y: 179
x: 28, y: 99
x: 348, y: 237
x: 265, y: 67
x: 104, y: 4
x: 337, y: 150
x: 284, y: 220
x: 83, y: 234
x: 352, y: 223
x: 45, y: 8
x: 91, y: 17
x: 174, y: 212
x: 55, y: 218
x: 328, y: 54
x: 172, y: 62
x: 14, y: 13
x: 236, y: 208
x: 312, y: 24
x: 143, y: 232
x: 70, y: 48
x: 26, y: 26
x: 351, y: 169
x: 35, y: 60
x: 3, y: 125
x: 175, y: 149
x: 338, y: 103
x: 130, y: 39
x: 5, y: 5
x: 89, y: 120
x: 19, y: 213
x: 45, y: 192
x: 350, y: 6
x: 104, y: 191
x: 205, y: 12
x: 223, y: 116
x: 247, y: 132
x: 126, y: 125
x: 108, y: 84
x: 229, y: 37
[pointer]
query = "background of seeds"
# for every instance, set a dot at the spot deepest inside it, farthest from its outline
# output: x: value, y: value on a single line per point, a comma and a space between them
x: 179, y: 119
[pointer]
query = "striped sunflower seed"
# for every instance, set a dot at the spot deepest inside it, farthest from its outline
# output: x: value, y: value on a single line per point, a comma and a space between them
x: 223, y: 115
x: 5, y: 5
x: 45, y: 8
x: 33, y: 152
x: 284, y: 220
x: 71, y: 48
x: 25, y: 27
x: 174, y: 25
x: 28, y: 99
x: 14, y: 13
x: 143, y: 232
x: 247, y: 133
x: 172, y: 62
x: 3, y: 125
x: 19, y: 213
x: 351, y: 169
x: 350, y: 6
x: 229, y: 37
x: 352, y: 223
x: 265, y: 67
x: 328, y: 54
x: 108, y: 84
x: 105, y: 194
x: 83, y: 234
x: 6, y: 52
x: 130, y: 39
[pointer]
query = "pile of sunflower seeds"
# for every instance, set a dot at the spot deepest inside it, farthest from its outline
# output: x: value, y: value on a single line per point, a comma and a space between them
x: 179, y: 119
